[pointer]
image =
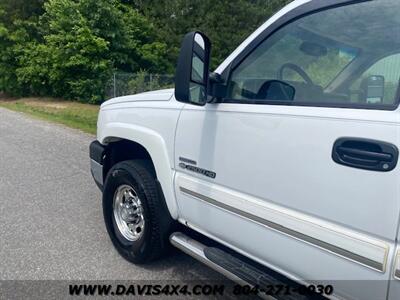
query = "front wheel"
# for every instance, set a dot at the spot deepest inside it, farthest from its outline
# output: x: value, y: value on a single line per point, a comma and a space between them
x: 135, y: 213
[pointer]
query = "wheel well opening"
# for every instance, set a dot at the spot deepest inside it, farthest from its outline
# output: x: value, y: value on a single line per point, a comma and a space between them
x: 125, y: 150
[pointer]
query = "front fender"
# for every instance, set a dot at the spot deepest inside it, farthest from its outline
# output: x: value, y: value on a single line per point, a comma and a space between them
x: 157, y: 148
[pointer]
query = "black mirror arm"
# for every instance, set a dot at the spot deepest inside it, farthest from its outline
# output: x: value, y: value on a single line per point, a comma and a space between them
x: 217, y: 87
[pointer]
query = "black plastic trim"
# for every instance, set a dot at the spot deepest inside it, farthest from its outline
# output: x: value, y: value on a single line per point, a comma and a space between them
x: 366, y: 154
x: 96, y: 152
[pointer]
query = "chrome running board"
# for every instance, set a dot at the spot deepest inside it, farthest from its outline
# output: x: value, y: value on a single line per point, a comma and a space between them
x: 232, y: 266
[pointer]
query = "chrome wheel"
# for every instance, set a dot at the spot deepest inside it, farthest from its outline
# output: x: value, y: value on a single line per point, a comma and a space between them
x: 128, y: 213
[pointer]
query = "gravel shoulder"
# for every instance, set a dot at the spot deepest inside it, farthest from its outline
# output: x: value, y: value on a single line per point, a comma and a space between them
x: 50, y: 210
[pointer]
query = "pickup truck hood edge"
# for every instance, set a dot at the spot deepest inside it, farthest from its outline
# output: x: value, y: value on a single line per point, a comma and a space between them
x: 160, y: 95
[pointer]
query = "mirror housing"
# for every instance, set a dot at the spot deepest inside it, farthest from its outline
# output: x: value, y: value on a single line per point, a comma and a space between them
x: 374, y: 88
x: 192, y: 72
x: 276, y: 90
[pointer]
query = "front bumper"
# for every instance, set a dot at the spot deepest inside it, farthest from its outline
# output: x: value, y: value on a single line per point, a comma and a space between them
x: 97, y: 153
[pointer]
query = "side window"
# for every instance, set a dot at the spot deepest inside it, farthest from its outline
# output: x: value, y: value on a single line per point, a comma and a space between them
x: 387, y: 70
x: 312, y: 60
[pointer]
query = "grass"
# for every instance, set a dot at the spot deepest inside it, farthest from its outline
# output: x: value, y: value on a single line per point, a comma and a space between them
x: 72, y: 114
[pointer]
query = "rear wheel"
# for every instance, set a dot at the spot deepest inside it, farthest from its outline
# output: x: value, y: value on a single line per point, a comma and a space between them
x: 135, y: 213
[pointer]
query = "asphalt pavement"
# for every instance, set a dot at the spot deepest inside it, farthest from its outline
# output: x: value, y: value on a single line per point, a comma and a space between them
x: 51, y: 223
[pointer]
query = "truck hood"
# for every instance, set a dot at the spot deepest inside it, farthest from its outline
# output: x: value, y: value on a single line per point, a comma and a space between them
x: 160, y: 95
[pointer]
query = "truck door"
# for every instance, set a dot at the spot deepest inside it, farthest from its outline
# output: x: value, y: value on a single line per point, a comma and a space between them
x: 297, y: 166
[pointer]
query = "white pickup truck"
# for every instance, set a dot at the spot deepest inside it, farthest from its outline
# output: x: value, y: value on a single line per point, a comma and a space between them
x: 285, y: 156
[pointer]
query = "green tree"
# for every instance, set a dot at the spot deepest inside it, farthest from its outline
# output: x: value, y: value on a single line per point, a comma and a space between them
x: 226, y: 22
x: 83, y: 43
x: 18, y: 27
x: 22, y: 9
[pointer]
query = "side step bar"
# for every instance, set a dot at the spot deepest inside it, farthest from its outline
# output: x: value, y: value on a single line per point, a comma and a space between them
x: 236, y: 269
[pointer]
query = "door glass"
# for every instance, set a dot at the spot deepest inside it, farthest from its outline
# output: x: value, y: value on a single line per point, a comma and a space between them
x: 320, y: 54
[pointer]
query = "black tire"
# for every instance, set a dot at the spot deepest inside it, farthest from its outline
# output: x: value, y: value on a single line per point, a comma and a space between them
x: 153, y: 243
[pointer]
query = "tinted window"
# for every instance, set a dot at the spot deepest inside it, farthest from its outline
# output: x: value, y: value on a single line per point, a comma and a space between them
x: 325, y: 58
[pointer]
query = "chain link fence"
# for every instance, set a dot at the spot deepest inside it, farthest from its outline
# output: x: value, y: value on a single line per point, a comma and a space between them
x: 122, y: 84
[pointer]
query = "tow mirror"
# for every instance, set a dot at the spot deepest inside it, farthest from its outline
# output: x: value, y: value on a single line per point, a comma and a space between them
x: 374, y: 89
x: 191, y: 78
